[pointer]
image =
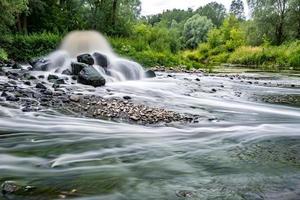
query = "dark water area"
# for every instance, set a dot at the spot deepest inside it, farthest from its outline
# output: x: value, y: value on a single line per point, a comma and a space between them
x: 243, y: 146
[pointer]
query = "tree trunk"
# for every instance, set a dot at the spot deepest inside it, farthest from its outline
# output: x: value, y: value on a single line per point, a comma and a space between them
x: 114, y: 13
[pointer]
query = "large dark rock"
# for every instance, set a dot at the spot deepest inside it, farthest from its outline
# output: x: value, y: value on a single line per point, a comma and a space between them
x: 101, y: 59
x: 90, y: 76
x: 86, y: 58
x: 40, y: 64
x: 77, y: 67
x: 150, y: 74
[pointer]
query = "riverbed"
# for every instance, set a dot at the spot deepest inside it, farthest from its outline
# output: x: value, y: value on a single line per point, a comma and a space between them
x: 245, y: 143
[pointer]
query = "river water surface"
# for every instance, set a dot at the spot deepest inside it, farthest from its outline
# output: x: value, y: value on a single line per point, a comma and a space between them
x: 241, y: 148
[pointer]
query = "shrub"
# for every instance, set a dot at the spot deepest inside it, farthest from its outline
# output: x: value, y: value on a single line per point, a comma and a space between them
x: 27, y: 47
x: 3, y: 55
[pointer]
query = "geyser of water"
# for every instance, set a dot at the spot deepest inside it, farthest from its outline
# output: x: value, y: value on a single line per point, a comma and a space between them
x: 80, y: 42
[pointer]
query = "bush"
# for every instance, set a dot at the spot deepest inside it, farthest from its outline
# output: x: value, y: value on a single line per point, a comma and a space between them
x: 282, y: 57
x: 26, y: 47
x: 3, y: 55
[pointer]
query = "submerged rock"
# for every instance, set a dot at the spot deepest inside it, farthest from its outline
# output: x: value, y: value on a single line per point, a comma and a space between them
x: 101, y: 59
x: 90, y: 76
x: 77, y: 67
x: 86, y: 59
x: 9, y: 187
x: 150, y: 74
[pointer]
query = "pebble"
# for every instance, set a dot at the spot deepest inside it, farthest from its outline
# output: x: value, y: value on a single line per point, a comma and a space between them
x: 74, y: 98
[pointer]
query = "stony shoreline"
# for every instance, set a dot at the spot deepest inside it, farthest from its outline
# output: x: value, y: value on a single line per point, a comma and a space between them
x: 22, y: 90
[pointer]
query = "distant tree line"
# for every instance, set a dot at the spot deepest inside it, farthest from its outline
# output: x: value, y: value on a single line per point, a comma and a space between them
x: 207, y: 34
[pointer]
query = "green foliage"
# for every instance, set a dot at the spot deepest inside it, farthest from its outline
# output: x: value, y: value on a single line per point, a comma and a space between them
x: 3, y: 55
x: 26, y: 47
x: 282, y: 57
x: 148, y: 56
x: 214, y: 11
x: 237, y: 9
x: 9, y: 9
x: 195, y: 30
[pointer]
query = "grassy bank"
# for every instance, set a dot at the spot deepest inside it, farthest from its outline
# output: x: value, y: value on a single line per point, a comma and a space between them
x: 287, y: 56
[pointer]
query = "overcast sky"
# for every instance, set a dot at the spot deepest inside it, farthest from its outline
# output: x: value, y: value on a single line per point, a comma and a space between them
x: 150, y: 7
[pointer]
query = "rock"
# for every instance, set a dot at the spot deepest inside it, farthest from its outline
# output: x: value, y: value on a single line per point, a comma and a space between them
x: 213, y: 90
x: 150, y: 74
x: 47, y: 92
x: 16, y: 66
x: 9, y: 187
x: 126, y: 97
x: 55, y: 85
x: 27, y: 83
x: 41, y: 76
x: 40, y: 64
x: 40, y: 86
x: 60, y: 81
x: 52, y: 77
x: 77, y: 67
x: 197, y: 79
x: 67, y: 72
x: 74, y: 98
x: 11, y: 97
x: 101, y: 59
x: 90, y: 76
x: 86, y: 59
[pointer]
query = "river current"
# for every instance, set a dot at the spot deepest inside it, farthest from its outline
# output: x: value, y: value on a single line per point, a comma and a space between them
x: 241, y: 147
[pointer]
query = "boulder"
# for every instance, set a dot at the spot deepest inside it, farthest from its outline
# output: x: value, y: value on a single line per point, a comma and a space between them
x: 90, y: 76
x: 150, y: 74
x: 86, y: 59
x: 101, y: 59
x: 40, y: 64
x: 77, y: 67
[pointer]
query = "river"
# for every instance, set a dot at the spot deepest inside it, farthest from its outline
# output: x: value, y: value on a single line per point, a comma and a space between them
x: 241, y: 147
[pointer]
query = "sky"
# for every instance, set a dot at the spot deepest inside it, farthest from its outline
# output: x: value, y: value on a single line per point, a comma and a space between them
x: 150, y: 7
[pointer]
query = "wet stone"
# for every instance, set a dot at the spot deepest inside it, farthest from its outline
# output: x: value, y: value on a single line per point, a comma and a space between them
x: 101, y: 59
x: 150, y: 74
x: 74, y: 98
x: 127, y: 97
x: 9, y: 187
x: 86, y: 59
x: 52, y: 77
x: 40, y: 86
x: 77, y: 67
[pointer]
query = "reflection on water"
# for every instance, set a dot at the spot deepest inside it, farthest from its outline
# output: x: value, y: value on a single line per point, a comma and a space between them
x: 240, y: 150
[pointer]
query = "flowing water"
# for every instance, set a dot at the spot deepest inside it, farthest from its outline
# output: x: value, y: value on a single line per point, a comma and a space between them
x: 240, y: 149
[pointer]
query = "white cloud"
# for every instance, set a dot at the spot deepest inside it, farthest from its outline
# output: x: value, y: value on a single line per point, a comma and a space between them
x: 150, y: 7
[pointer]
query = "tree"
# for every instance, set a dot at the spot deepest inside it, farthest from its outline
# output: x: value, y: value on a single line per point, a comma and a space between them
x: 214, y: 11
x: 294, y: 18
x: 271, y: 17
x: 9, y: 10
x: 195, y: 30
x: 237, y: 9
